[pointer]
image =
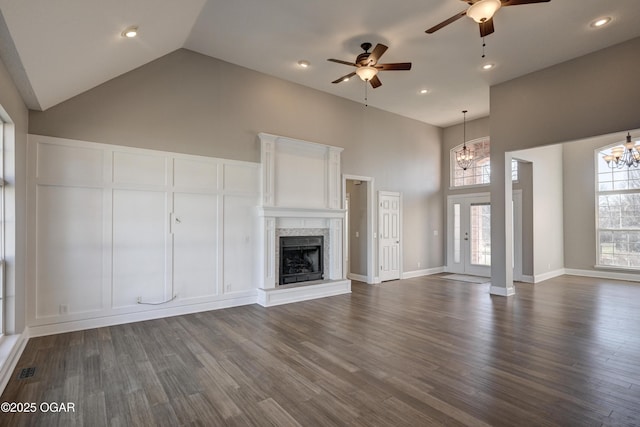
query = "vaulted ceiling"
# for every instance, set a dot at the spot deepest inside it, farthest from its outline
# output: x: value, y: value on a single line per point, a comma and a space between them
x: 58, y: 49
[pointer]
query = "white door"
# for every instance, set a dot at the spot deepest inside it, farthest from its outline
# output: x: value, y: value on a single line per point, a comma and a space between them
x: 469, y: 234
x: 389, y: 220
x: 469, y: 237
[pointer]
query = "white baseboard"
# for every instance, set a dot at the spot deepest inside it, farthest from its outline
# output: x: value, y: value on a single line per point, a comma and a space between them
x: 11, y: 348
x: 99, y: 322
x: 603, y: 274
x: 537, y: 278
x: 502, y: 291
x: 423, y: 272
x: 357, y: 277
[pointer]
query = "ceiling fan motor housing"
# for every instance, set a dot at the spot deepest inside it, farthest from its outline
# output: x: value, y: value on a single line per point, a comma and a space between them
x: 362, y: 59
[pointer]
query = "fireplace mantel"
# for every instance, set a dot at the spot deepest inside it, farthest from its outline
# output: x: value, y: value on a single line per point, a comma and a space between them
x: 281, y: 212
x: 300, y: 190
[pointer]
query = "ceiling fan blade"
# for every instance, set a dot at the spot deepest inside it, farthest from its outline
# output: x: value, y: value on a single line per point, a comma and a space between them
x: 394, y: 66
x: 376, y: 53
x: 375, y: 82
x: 343, y: 78
x: 519, y: 2
x: 339, y: 61
x: 486, y: 28
x: 445, y: 23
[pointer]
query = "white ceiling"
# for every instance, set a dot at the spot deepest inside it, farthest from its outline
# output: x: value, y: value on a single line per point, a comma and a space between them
x: 59, y: 49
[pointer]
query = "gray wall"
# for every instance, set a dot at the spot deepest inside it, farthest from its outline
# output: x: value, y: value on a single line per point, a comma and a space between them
x: 190, y: 103
x: 595, y: 94
x: 15, y: 189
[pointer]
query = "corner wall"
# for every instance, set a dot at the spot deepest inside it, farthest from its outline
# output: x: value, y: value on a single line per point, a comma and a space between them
x: 548, y: 220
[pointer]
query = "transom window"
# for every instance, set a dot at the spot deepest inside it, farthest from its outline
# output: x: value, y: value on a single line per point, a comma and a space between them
x: 480, y: 171
x: 618, y: 214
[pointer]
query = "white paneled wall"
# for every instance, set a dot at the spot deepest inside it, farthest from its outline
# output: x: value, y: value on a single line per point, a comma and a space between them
x: 110, y: 226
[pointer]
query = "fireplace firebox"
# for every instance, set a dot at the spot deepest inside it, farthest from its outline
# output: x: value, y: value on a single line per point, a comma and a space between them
x: 300, y: 259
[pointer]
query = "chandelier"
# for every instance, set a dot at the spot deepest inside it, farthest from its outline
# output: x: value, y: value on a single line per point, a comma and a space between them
x: 627, y: 155
x: 465, y: 156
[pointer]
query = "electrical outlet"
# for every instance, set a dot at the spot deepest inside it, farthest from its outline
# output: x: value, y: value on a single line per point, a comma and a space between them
x: 139, y: 300
x: 64, y: 309
x: 418, y: 264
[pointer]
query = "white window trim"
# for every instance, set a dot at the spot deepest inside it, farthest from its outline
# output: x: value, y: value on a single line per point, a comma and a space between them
x: 597, y: 192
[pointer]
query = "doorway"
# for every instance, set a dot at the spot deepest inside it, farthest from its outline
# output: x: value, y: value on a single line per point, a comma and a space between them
x: 359, y: 259
x: 469, y: 234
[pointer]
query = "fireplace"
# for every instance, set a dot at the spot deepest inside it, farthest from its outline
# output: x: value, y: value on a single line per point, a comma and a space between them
x: 301, y: 259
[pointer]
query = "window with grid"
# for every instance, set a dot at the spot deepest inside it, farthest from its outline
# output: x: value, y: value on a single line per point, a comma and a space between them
x: 618, y: 214
x: 480, y: 171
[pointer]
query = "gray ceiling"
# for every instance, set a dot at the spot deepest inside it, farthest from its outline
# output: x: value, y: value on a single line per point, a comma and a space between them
x: 58, y: 49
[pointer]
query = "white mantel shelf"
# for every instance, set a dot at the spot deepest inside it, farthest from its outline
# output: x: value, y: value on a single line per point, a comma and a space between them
x: 282, y: 212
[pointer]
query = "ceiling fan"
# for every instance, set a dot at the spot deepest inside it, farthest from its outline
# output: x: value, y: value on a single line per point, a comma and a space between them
x: 367, y: 66
x: 482, y: 12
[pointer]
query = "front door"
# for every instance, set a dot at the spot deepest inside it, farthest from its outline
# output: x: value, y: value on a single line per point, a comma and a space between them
x: 469, y: 236
x: 389, y: 218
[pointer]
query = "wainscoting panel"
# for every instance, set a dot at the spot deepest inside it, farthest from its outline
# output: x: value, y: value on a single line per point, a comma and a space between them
x: 124, y: 234
x: 68, y: 261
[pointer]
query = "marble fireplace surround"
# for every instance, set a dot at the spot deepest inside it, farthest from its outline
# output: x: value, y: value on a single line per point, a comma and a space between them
x: 300, y: 195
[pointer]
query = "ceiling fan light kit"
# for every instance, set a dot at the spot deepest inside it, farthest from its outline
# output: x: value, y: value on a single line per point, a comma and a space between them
x: 483, y: 10
x: 367, y: 72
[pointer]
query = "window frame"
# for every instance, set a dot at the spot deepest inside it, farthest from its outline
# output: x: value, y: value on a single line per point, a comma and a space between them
x: 453, y: 165
x: 613, y: 191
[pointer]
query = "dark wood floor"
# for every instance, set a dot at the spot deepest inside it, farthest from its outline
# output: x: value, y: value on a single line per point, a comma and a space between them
x: 424, y: 351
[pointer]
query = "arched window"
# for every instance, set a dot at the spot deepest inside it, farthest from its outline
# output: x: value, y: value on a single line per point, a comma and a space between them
x: 480, y: 171
x: 618, y: 213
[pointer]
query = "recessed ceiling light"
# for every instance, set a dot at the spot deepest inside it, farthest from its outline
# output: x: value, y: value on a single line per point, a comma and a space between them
x: 601, y: 22
x: 130, y: 32
x: 488, y: 66
x: 423, y: 91
x: 304, y: 63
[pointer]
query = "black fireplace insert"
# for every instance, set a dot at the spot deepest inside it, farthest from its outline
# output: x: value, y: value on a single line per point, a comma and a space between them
x: 301, y: 259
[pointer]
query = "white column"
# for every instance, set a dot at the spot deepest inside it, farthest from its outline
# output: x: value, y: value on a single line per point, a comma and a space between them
x: 268, y: 259
x: 335, y: 253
